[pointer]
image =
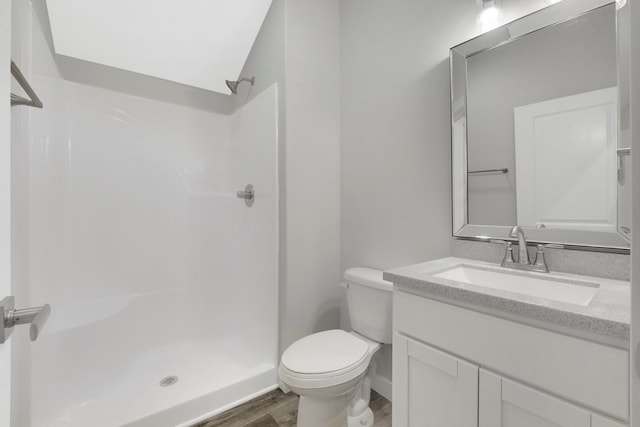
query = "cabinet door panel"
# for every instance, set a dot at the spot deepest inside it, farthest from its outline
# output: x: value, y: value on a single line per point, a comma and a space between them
x: 519, y: 406
x: 433, y: 387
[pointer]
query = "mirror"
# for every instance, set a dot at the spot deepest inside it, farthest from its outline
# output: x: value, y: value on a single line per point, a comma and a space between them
x: 535, y: 142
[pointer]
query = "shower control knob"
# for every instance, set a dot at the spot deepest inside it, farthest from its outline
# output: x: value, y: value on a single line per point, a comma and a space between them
x: 248, y: 195
x: 36, y: 317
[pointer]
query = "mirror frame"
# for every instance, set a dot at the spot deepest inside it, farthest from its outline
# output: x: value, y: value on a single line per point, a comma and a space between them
x: 614, y: 242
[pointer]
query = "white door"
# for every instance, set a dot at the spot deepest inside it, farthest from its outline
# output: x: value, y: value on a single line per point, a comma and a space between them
x: 432, y: 388
x: 5, y: 207
x: 505, y: 403
x: 566, y: 161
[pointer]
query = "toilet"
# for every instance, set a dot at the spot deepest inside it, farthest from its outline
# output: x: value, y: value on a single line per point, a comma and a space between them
x: 331, y: 370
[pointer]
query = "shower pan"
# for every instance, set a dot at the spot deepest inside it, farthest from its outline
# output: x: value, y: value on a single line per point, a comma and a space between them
x: 162, y: 283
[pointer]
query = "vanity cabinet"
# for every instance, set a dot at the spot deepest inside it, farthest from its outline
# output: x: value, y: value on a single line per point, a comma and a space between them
x: 454, y: 366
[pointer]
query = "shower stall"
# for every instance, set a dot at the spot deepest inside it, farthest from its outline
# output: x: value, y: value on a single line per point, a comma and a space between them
x: 163, y: 284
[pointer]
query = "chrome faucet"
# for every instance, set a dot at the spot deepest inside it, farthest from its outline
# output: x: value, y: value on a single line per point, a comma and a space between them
x: 523, y: 255
x: 524, y: 262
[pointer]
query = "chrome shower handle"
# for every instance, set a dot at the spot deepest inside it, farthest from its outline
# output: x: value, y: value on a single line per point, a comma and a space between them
x: 35, y: 316
x: 248, y: 195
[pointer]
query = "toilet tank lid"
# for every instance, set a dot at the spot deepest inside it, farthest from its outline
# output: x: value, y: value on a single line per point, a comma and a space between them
x: 368, y: 277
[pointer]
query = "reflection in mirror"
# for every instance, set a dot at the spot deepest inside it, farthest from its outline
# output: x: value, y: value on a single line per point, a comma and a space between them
x: 535, y: 129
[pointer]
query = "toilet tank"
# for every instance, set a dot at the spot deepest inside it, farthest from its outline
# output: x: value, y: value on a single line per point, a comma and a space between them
x: 369, y: 299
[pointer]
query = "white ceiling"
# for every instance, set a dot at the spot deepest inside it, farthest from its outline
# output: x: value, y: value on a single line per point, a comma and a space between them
x: 195, y: 42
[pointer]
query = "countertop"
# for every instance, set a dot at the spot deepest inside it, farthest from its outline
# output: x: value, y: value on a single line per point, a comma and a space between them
x: 607, y: 316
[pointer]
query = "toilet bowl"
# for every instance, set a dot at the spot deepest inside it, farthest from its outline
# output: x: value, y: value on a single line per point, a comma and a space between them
x: 331, y: 370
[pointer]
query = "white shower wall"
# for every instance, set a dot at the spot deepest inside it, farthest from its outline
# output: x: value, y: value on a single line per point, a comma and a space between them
x: 151, y: 264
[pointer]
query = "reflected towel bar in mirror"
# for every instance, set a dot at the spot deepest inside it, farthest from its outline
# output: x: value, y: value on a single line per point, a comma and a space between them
x: 503, y: 170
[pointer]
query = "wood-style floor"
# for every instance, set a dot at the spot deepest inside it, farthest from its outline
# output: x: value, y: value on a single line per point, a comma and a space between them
x: 276, y: 409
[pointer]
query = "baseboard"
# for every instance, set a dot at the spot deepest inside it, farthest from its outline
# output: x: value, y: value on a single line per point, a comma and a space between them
x: 382, y: 385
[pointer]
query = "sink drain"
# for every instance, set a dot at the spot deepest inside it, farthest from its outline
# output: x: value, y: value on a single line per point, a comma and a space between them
x: 168, y: 381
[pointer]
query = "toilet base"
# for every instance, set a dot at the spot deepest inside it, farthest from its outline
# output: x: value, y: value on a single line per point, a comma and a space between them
x: 314, y: 412
x: 360, y: 415
x: 348, y: 409
x: 365, y: 419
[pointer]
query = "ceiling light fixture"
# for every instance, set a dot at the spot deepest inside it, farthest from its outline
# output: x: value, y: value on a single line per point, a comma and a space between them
x: 490, y: 15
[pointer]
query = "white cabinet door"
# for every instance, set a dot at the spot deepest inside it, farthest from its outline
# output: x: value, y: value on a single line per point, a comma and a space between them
x: 504, y: 403
x: 432, y: 388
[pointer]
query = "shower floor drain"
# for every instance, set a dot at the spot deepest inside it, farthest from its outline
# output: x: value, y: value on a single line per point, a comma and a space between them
x: 168, y: 381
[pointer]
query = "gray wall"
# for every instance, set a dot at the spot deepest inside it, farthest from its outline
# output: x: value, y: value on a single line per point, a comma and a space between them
x: 557, y: 61
x: 395, y: 147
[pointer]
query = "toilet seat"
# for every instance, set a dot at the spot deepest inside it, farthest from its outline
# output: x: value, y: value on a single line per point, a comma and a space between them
x: 326, y: 359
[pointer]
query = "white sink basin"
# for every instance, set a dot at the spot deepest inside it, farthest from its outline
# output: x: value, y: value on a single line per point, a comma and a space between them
x: 569, y: 291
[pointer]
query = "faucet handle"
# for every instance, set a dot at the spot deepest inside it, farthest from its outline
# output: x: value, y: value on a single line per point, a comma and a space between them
x: 508, y: 253
x: 540, y: 262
